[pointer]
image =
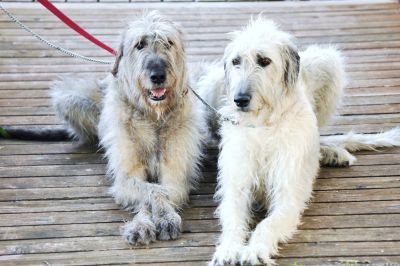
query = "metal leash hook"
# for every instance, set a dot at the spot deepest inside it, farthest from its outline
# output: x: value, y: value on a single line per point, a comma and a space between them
x: 225, y: 119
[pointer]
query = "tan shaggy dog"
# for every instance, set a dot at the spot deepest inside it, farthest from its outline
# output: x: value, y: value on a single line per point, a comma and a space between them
x: 147, y: 122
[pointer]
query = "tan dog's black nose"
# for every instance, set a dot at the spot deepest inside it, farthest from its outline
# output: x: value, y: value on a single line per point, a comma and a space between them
x: 157, y: 77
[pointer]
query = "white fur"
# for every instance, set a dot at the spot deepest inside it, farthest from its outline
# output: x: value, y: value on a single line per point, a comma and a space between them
x: 211, y: 89
x: 322, y: 69
x: 336, y: 149
x: 272, y: 156
x: 356, y: 142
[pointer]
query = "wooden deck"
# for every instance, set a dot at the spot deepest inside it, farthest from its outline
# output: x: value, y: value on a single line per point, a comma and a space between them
x: 54, y: 208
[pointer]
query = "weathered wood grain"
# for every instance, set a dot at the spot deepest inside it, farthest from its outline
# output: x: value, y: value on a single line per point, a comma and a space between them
x: 54, y: 205
x: 197, y: 253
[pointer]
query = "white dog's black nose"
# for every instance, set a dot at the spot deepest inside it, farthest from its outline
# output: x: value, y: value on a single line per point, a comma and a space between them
x: 157, y: 77
x: 242, y: 99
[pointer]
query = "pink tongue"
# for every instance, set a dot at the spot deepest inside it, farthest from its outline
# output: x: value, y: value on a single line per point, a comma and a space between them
x: 158, y: 92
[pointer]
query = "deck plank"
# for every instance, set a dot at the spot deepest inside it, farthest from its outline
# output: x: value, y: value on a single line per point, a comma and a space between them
x: 54, y: 205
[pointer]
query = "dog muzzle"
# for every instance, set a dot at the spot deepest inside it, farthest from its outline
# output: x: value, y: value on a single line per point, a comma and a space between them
x: 158, y: 94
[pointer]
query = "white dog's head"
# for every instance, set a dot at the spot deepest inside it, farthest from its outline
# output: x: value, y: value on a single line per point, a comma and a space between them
x: 261, y: 66
x: 150, y: 63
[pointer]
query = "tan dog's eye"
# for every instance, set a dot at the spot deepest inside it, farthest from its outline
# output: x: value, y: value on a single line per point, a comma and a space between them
x: 263, y: 61
x: 236, y: 61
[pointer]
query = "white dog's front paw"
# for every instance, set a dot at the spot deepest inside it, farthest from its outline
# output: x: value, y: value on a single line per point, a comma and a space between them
x: 226, y: 255
x: 255, y: 255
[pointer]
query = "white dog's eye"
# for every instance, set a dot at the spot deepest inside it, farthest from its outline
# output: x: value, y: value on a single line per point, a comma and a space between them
x: 263, y: 61
x: 169, y: 44
x: 140, y: 45
x: 236, y: 61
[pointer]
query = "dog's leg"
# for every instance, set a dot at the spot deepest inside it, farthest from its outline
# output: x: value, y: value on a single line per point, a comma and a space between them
x: 164, y: 214
x: 147, y: 200
x: 234, y: 215
x: 138, y: 196
x: 167, y: 221
x: 141, y: 229
x: 289, y: 191
x: 236, y: 181
x: 156, y: 217
x: 278, y: 226
x: 336, y: 156
x: 178, y: 172
x: 127, y: 164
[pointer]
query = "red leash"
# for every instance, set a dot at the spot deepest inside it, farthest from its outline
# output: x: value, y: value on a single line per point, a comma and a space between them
x: 75, y: 26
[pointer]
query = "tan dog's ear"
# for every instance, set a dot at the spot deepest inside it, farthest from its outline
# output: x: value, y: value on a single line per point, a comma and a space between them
x: 118, y: 58
x: 291, y: 65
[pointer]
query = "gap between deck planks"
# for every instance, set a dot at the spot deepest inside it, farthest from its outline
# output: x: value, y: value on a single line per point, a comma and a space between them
x: 54, y: 206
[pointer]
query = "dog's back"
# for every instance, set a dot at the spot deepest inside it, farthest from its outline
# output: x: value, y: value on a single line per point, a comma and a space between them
x: 77, y: 102
x: 322, y: 71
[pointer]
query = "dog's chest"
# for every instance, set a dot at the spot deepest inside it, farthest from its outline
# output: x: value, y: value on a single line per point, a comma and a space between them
x: 149, y: 141
x: 256, y: 144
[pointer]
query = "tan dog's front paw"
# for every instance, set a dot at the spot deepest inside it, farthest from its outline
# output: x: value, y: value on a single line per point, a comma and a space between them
x: 168, y: 226
x: 139, y: 232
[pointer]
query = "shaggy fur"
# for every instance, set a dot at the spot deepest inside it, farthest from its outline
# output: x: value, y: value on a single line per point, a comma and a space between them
x: 77, y: 101
x: 335, y: 150
x: 280, y: 99
x: 322, y: 71
x: 262, y: 159
x: 148, y: 125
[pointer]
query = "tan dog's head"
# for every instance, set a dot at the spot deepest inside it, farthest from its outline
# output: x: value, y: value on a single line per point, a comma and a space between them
x: 150, y: 65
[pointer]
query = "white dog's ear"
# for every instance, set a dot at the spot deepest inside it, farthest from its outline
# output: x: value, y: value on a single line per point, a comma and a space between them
x: 291, y: 66
x: 118, y: 58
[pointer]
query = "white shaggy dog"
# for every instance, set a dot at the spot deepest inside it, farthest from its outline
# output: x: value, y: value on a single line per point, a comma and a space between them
x: 148, y: 125
x: 271, y: 154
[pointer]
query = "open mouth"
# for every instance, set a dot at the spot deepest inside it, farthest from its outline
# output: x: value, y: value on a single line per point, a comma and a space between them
x: 158, y: 94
